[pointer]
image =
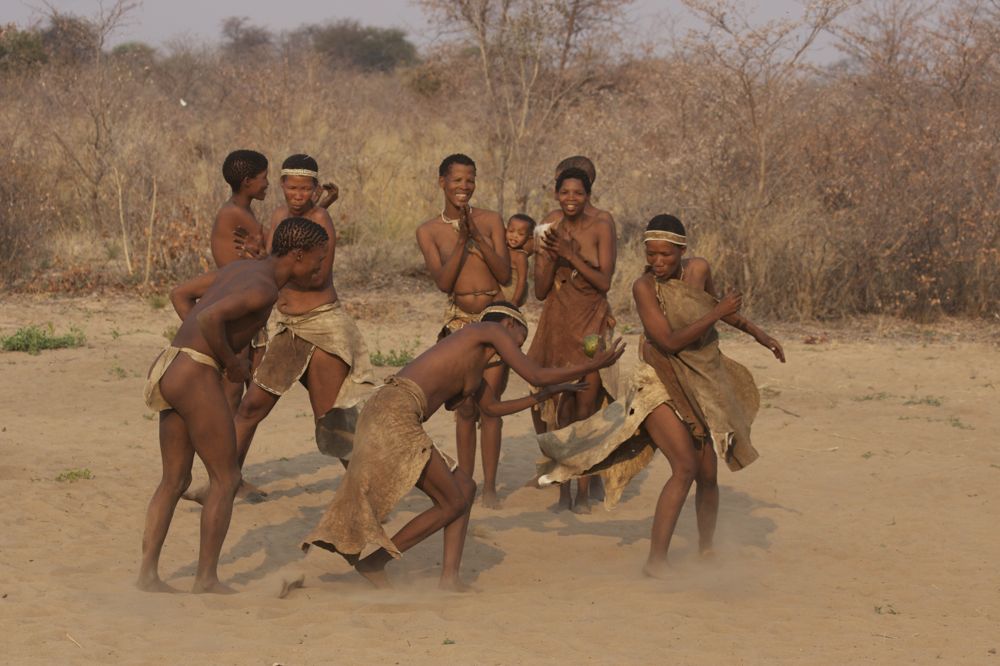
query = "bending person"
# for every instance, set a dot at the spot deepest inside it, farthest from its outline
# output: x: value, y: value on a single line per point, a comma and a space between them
x: 392, y: 452
x: 222, y: 311
x: 686, y: 396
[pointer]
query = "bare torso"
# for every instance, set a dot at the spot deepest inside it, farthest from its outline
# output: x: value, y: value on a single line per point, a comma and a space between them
x: 293, y: 299
x: 242, y: 275
x: 451, y: 370
x: 228, y: 220
x: 476, y: 286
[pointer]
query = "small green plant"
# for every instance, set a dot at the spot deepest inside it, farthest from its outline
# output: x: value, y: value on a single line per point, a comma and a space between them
x: 447, y: 641
x: 881, y: 395
x: 158, y: 301
x: 926, y: 400
x: 393, y: 357
x: 170, y: 332
x: 33, y: 339
x: 115, y: 334
x: 117, y: 371
x: 74, y: 475
x: 867, y: 454
x: 956, y: 422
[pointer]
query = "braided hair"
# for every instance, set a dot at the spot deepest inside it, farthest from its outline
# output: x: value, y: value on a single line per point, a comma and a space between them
x: 297, y: 233
x: 301, y: 161
x: 242, y: 164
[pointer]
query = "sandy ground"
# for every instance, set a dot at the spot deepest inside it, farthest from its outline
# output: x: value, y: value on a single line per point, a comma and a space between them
x: 866, y: 532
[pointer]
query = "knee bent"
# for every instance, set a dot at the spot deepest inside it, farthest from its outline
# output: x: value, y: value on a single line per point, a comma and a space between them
x: 685, y: 472
x: 253, y: 409
x: 177, y: 485
x: 467, y: 410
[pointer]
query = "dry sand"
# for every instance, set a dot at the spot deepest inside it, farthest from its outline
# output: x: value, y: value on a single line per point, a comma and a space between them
x: 866, y: 532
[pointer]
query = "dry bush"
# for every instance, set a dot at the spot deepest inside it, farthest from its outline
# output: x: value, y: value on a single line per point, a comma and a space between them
x: 866, y: 186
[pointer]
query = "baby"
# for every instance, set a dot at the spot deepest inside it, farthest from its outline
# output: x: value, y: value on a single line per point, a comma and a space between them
x: 520, y: 228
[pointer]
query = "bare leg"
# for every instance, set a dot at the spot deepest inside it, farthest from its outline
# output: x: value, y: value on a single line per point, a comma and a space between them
x: 177, y: 455
x: 254, y: 408
x: 673, y: 439
x: 323, y: 379
x: 465, y: 435
x: 706, y: 499
x: 492, y: 430
x: 196, y: 393
x: 586, y: 405
x: 452, y: 494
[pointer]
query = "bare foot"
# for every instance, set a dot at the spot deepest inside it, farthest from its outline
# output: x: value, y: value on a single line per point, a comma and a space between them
x: 707, y: 554
x: 582, y: 506
x: 490, y: 500
x: 454, y: 584
x: 659, y: 569
x: 289, y: 584
x: 211, y: 587
x: 154, y: 584
x: 375, y: 573
x: 247, y: 491
x: 250, y: 493
x: 197, y: 495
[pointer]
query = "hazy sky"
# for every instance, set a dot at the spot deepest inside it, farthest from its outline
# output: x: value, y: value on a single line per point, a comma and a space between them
x: 158, y: 21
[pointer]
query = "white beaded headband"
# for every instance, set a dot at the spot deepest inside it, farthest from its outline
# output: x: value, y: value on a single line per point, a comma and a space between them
x: 669, y: 236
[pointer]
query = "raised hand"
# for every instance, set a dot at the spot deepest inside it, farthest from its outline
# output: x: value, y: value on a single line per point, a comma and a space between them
x: 324, y: 195
x: 608, y: 357
x: 560, y: 244
x: 729, y: 304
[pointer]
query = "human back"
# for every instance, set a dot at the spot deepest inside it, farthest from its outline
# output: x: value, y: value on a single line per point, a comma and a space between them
x: 247, y: 276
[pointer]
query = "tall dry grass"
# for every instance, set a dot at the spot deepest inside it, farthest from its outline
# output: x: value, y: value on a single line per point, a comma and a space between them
x: 870, y: 186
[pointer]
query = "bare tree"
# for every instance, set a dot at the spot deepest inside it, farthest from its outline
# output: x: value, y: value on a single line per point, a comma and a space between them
x: 757, y: 64
x: 533, y: 58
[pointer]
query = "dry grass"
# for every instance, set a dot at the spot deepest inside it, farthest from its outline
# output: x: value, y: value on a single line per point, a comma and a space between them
x: 859, y: 189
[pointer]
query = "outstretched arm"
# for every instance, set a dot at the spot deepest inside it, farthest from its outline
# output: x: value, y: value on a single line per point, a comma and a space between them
x: 658, y: 329
x: 535, y: 374
x: 741, y: 323
x: 490, y: 406
x: 213, y: 319
x: 185, y: 295
x: 443, y: 271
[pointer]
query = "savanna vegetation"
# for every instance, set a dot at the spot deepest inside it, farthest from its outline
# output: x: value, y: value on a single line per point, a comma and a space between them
x: 866, y: 185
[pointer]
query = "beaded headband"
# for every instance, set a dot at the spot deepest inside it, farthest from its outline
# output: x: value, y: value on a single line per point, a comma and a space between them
x: 669, y: 236
x: 504, y: 310
x: 308, y: 173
